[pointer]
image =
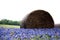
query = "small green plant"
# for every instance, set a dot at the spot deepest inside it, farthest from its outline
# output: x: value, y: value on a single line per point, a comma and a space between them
x: 56, y: 37
x: 46, y: 37
x: 36, y: 38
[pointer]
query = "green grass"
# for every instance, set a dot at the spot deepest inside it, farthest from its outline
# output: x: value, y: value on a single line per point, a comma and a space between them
x: 9, y: 26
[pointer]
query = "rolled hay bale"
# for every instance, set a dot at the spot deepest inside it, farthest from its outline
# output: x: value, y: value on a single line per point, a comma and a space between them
x: 38, y: 19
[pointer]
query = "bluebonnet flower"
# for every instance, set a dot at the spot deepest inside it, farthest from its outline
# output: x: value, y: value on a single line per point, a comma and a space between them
x: 25, y: 34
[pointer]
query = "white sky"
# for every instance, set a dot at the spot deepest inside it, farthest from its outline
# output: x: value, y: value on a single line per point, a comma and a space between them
x: 18, y: 9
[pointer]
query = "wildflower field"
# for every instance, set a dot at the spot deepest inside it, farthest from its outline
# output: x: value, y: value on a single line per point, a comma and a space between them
x: 10, y: 32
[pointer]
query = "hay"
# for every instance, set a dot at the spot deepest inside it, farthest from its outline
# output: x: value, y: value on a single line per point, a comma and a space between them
x: 38, y: 19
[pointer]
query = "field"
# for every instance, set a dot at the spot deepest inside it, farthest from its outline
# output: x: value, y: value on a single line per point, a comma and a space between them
x: 29, y: 34
x: 9, y: 26
x: 13, y: 32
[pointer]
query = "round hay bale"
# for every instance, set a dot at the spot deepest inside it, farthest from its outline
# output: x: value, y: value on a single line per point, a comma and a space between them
x: 38, y: 19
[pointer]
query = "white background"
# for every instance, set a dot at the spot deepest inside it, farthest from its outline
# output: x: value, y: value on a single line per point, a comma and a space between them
x: 18, y: 9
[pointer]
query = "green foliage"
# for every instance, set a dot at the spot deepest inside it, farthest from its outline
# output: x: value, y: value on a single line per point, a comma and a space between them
x: 9, y: 22
x: 44, y: 37
x: 25, y: 39
x: 56, y: 37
